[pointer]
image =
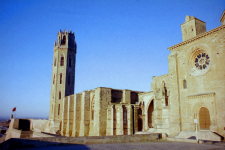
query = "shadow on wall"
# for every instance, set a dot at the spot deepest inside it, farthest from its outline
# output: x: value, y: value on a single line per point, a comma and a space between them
x: 33, y: 144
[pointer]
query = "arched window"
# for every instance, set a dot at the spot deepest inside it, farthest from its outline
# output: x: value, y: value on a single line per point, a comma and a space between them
x: 54, y: 79
x: 55, y: 62
x: 68, y: 79
x: 124, y: 115
x: 62, y: 61
x: 59, y: 110
x: 60, y: 81
x: 64, y: 40
x: 165, y: 93
x: 59, y: 94
x: 70, y: 61
x: 184, y: 84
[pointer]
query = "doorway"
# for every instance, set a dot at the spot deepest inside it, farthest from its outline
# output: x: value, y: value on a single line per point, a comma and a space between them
x: 139, y: 124
x: 204, y: 118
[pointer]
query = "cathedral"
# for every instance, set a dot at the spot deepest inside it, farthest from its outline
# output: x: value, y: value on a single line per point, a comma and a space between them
x: 191, y: 96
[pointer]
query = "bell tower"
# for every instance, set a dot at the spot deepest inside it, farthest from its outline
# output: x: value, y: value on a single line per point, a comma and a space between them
x: 192, y: 27
x: 63, y: 75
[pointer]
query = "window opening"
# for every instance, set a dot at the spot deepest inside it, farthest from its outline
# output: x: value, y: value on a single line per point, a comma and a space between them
x: 184, y: 84
x: 59, y: 94
x: 59, y: 110
x: 62, y: 61
x: 60, y: 78
x: 64, y: 40
x: 54, y: 79
x: 55, y: 62
x: 92, y: 114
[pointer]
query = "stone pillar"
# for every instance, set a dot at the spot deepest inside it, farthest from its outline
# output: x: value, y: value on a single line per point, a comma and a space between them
x: 126, y: 97
x: 129, y: 119
x: 119, y: 120
x: 68, y: 118
x: 78, y: 113
x: 109, y: 130
x: 74, y: 118
x: 62, y: 125
x: 136, y: 119
x: 85, y: 114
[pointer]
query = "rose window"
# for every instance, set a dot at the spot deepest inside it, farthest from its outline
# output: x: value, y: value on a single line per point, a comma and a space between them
x: 202, y: 61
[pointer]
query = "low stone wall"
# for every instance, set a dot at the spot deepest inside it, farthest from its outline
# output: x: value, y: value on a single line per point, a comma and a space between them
x: 57, y: 141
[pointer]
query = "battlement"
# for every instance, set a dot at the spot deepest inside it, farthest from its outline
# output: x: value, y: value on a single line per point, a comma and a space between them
x: 65, y: 39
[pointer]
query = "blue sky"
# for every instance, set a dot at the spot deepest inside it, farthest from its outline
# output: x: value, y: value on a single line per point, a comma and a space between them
x: 121, y: 44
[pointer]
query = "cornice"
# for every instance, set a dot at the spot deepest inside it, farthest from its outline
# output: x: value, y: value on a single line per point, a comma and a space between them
x: 197, y: 37
x: 201, y: 95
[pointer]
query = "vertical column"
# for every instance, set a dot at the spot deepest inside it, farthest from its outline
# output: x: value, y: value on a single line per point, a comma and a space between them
x: 109, y: 130
x: 62, y: 124
x: 74, y: 117
x: 119, y: 120
x: 126, y: 97
x: 129, y: 119
x: 86, y: 113
x: 136, y: 118
x: 68, y: 118
x: 81, y: 133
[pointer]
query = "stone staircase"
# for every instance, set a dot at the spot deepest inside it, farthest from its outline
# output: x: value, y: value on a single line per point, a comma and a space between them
x: 190, y: 136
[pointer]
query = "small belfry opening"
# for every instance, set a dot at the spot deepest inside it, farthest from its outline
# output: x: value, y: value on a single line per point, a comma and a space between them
x: 64, y: 40
x: 204, y: 118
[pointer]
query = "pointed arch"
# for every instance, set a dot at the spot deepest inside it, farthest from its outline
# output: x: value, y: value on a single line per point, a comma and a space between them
x: 62, y: 60
x: 59, y: 110
x: 64, y: 40
x: 150, y: 114
x: 60, y: 80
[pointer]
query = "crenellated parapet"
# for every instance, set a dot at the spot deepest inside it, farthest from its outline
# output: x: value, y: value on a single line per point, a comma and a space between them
x: 65, y: 39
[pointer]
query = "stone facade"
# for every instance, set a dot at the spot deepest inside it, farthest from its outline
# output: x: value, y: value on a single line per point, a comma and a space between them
x: 193, y: 89
x: 195, y: 82
x: 99, y: 112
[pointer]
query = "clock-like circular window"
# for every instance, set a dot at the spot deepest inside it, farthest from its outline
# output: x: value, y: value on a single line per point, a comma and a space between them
x: 202, y: 61
x: 199, y: 61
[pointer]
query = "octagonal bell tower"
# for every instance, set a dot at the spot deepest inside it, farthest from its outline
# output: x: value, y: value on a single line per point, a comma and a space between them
x: 63, y: 75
